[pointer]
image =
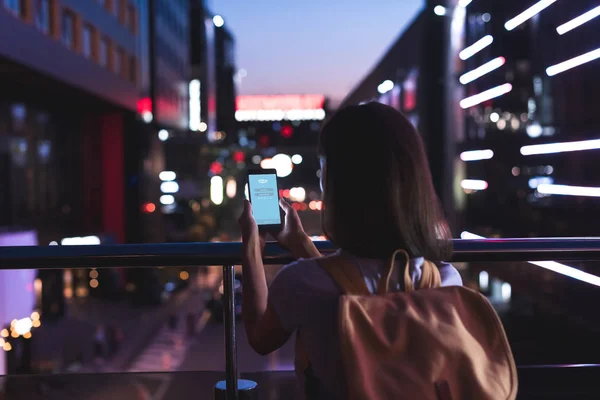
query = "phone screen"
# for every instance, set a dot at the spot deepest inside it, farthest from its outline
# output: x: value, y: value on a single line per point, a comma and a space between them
x: 265, y: 199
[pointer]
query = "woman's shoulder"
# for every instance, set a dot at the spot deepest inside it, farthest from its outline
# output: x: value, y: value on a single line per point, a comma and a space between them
x: 305, y: 273
x: 450, y: 275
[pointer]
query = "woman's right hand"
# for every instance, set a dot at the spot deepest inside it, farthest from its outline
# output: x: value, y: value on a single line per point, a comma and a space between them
x: 292, y: 235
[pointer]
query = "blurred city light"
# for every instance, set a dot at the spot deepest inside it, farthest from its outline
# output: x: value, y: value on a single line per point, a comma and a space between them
x: 298, y: 194
x: 476, y: 47
x: 280, y: 162
x: 473, y: 184
x: 476, y: 155
x: 464, y: 3
x: 149, y: 208
x: 184, y: 275
x: 566, y: 190
x: 163, y: 135
x: 256, y: 159
x: 506, y: 291
x: 169, y: 187
x: 385, y: 86
x: 80, y: 241
x: 551, y: 148
x: 167, y: 199
x: 216, y: 190
x: 494, y: 117
x: 534, y: 130
x: 218, y: 21
x: 297, y: 159
x: 485, y: 96
x: 527, y: 14
x: 23, y: 326
x: 484, y: 280
x: 482, y: 70
x: 572, y: 63
x: 202, y: 127
x: 231, y: 188
x: 166, y: 176
x: 195, y: 105
x: 534, y: 183
x: 439, y: 10
x: 577, y: 22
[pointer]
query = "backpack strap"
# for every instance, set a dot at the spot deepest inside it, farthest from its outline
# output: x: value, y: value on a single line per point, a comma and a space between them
x: 349, y: 278
x: 430, y: 275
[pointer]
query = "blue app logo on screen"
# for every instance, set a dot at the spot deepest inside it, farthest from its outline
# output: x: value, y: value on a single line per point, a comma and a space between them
x: 265, y: 199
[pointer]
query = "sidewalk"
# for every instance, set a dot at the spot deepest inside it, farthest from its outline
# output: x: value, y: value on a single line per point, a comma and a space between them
x: 59, y: 344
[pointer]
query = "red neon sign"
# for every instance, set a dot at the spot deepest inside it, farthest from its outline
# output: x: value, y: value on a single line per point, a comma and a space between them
x: 280, y: 102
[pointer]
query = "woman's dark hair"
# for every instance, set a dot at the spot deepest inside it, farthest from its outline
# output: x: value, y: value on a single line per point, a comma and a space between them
x: 378, y: 191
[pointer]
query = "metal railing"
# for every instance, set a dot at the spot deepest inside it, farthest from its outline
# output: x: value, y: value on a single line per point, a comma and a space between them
x: 229, y: 254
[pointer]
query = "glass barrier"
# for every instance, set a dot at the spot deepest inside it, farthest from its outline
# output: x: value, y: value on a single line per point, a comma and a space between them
x: 95, y: 332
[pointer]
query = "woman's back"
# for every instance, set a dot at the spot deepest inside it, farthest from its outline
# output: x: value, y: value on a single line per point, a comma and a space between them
x: 306, y: 298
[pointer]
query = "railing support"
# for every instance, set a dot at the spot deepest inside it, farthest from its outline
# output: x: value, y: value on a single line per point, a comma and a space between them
x: 230, y: 336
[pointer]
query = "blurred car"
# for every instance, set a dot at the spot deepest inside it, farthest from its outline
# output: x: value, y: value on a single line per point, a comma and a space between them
x: 215, y: 302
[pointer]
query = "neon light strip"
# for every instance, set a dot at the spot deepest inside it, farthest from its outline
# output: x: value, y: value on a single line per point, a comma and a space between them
x: 552, y: 265
x: 577, y: 22
x: 474, y: 184
x: 485, y: 96
x: 572, y: 63
x: 476, y: 155
x: 476, y: 47
x: 552, y: 148
x: 483, y: 70
x: 565, y: 190
x: 527, y: 14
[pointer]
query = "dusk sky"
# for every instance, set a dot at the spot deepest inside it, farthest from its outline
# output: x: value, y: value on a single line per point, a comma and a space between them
x: 311, y: 46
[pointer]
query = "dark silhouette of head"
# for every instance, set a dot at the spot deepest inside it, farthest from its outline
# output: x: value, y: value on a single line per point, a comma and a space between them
x: 377, y: 188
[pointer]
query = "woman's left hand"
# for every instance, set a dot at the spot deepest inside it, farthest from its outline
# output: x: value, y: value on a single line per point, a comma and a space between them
x: 250, y: 233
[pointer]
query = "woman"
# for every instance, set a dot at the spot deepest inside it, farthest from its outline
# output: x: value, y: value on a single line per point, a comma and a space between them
x: 378, y: 197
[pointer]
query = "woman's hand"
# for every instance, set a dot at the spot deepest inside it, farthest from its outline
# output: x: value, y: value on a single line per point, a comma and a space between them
x: 292, y: 235
x: 251, y: 237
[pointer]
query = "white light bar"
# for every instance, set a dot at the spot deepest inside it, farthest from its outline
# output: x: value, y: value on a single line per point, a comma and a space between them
x: 577, y: 22
x: 280, y: 115
x: 565, y: 190
x: 464, y: 3
x: 473, y: 184
x: 527, y: 14
x: 485, y: 96
x: 169, y: 187
x: 552, y: 265
x: 476, y: 155
x: 385, y: 87
x: 476, y: 47
x: 552, y: 148
x: 483, y: 70
x: 166, y: 176
x: 572, y: 63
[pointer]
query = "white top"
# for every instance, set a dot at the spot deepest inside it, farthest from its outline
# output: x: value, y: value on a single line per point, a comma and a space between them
x: 304, y: 295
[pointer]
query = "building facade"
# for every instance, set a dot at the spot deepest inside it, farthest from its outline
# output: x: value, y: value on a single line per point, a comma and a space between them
x: 505, y: 107
x: 71, y: 82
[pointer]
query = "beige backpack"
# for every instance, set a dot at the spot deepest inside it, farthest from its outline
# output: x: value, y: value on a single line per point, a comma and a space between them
x: 436, y: 343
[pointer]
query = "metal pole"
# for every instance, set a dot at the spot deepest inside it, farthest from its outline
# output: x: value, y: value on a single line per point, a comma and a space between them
x: 230, y: 339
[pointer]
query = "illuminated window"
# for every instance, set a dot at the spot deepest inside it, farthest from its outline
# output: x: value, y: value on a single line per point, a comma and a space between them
x: 14, y: 6
x: 88, y: 37
x: 42, y: 15
x: 68, y: 29
x: 103, y: 52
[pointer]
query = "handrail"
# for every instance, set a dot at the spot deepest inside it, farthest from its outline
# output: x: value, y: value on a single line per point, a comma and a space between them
x: 188, y: 254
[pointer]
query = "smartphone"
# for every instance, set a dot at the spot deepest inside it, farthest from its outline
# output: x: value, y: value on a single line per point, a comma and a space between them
x: 263, y: 193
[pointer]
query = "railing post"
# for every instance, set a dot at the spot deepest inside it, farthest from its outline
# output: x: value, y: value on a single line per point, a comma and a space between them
x: 230, y: 337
